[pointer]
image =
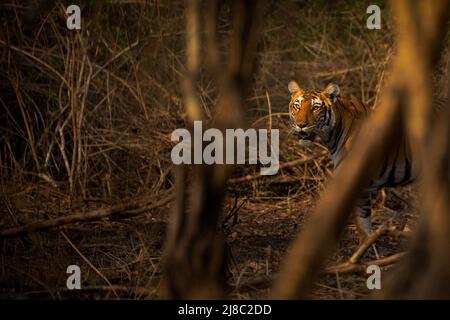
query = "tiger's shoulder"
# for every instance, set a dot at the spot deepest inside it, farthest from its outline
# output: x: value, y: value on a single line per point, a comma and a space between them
x: 352, y: 106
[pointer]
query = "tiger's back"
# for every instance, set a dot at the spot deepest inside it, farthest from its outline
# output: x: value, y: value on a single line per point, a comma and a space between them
x: 393, y: 168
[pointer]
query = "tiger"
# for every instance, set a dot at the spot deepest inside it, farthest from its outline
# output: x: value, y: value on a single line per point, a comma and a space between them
x: 335, y: 122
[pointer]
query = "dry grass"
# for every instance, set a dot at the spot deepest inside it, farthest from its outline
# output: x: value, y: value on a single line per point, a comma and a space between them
x: 87, y: 121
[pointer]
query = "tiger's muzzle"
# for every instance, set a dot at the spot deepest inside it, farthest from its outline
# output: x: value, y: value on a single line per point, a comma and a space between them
x: 305, y: 135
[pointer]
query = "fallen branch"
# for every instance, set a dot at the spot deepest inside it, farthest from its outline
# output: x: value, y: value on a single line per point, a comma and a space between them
x: 385, y: 228
x: 288, y: 164
x: 348, y: 267
x: 117, y: 212
x: 264, y: 282
x: 382, y: 229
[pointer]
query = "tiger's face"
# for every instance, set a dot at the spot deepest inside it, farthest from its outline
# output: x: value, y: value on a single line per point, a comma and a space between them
x: 311, y: 112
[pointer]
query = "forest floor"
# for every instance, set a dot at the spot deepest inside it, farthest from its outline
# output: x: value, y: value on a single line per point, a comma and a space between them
x: 121, y: 258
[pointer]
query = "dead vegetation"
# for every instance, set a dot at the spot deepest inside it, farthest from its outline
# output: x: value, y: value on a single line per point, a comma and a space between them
x: 86, y: 175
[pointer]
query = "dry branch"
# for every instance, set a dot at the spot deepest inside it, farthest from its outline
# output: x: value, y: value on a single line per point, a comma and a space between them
x: 289, y: 164
x: 349, y: 267
x: 264, y: 282
x: 382, y: 229
x: 122, y: 211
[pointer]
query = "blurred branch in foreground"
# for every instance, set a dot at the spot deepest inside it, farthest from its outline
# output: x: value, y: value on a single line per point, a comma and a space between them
x: 195, y: 256
x: 425, y: 273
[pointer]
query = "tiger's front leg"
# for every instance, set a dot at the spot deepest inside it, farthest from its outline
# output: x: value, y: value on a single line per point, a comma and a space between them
x: 363, y: 212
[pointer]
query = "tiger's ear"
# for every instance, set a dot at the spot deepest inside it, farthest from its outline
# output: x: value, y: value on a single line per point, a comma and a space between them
x: 293, y: 87
x: 331, y: 91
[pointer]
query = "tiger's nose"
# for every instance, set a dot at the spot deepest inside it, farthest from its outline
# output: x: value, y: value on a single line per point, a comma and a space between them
x: 302, y: 125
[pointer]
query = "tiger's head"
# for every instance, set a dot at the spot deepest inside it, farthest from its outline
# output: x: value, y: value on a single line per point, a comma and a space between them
x: 312, y: 112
